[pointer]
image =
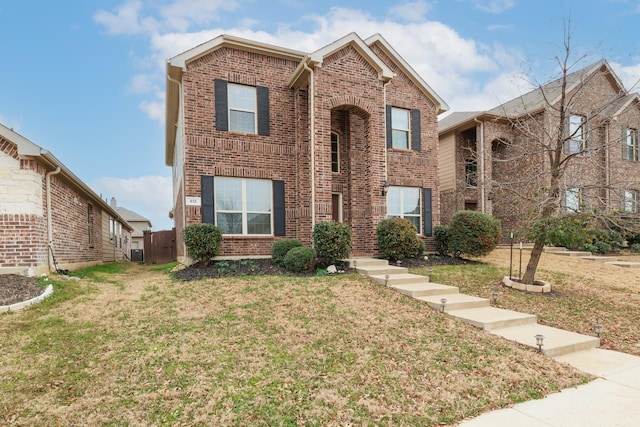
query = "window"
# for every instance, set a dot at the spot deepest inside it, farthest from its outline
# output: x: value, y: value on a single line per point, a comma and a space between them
x: 242, y: 108
x: 335, y: 153
x: 400, y: 128
x: 630, y: 201
x: 405, y: 202
x: 575, y: 142
x: 471, y: 172
x: 573, y: 199
x: 630, y: 145
x: 243, y: 206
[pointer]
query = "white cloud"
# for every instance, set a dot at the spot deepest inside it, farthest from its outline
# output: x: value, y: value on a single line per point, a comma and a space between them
x: 149, y: 196
x: 181, y: 14
x: 154, y: 110
x: 629, y: 75
x: 126, y: 19
x: 411, y: 10
x: 493, y: 6
x: 143, y: 83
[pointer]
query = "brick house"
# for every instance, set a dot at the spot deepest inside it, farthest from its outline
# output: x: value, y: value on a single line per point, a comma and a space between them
x: 49, y: 218
x: 491, y: 161
x: 139, y: 224
x: 266, y: 141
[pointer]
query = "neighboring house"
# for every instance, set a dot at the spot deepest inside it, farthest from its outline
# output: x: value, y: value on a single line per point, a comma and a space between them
x: 49, y: 219
x: 489, y: 163
x: 139, y: 224
x: 265, y: 141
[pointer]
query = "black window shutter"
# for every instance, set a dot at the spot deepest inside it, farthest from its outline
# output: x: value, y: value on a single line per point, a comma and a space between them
x: 278, y: 209
x: 428, y: 213
x: 222, y: 113
x: 415, y: 130
x: 389, y: 129
x: 263, y: 110
x: 206, y: 197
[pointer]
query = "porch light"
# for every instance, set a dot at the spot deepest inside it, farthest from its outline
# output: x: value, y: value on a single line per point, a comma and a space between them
x: 443, y: 303
x: 539, y: 341
x: 494, y: 297
x: 385, y: 186
x: 430, y: 272
x: 597, y: 328
x: 386, y: 280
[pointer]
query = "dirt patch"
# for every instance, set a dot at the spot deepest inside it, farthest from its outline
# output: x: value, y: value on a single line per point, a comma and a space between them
x: 15, y: 288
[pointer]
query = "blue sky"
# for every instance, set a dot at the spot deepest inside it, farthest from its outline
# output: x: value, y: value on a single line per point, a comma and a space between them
x: 85, y: 79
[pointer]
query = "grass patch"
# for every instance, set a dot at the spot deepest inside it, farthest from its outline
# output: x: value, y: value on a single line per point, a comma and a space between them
x: 256, y: 350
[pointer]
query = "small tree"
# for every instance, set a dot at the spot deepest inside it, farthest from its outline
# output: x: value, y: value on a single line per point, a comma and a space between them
x: 473, y: 233
x: 202, y: 241
x: 332, y: 242
x: 398, y: 239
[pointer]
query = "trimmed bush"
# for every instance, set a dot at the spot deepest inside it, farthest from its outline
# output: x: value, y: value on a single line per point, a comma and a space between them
x: 635, y: 248
x: 202, y: 241
x: 398, y: 239
x: 332, y: 242
x: 441, y: 236
x: 473, y: 233
x: 281, y: 247
x: 299, y: 259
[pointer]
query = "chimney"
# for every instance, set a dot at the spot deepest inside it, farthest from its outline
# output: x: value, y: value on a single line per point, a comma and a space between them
x: 113, y: 203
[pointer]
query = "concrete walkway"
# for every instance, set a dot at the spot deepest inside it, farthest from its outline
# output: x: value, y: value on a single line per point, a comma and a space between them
x: 611, y: 400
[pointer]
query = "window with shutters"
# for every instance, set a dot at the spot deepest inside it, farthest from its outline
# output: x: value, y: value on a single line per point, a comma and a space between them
x: 243, y: 206
x: 630, y: 145
x: 242, y: 108
x: 405, y: 202
x: 400, y: 128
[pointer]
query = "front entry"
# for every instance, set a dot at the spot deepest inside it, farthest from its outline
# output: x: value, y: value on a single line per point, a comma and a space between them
x: 336, y: 207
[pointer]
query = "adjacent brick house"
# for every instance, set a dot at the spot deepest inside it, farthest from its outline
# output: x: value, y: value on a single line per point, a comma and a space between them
x: 266, y: 141
x: 491, y: 161
x: 49, y: 218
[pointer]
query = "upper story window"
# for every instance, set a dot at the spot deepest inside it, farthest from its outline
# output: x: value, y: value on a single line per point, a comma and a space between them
x: 575, y: 142
x: 335, y: 153
x: 242, y: 108
x: 471, y: 172
x: 405, y: 202
x: 630, y: 202
x: 243, y: 206
x: 630, y: 145
x: 400, y: 128
x: 573, y: 200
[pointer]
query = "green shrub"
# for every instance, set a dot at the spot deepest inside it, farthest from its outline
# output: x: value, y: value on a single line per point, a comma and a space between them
x: 332, y: 242
x: 633, y: 239
x: 398, y: 239
x: 300, y: 259
x: 588, y: 247
x: 441, y: 236
x: 568, y: 231
x: 281, y: 247
x: 635, y: 248
x: 473, y: 233
x: 202, y: 241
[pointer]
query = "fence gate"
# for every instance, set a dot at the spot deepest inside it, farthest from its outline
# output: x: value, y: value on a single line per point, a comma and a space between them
x: 159, y: 246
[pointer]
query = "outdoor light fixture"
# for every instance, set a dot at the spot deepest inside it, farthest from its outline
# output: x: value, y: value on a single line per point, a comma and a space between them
x: 539, y: 340
x: 494, y: 297
x: 355, y: 264
x: 386, y: 280
x: 443, y: 303
x: 429, y: 271
x: 385, y: 187
x: 399, y: 263
x: 597, y: 328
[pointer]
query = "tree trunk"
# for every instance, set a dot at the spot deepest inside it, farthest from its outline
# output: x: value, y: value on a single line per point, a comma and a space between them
x: 532, y: 266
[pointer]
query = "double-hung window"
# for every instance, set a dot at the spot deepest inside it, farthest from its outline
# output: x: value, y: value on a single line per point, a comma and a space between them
x: 405, y: 202
x: 573, y: 200
x: 630, y: 145
x: 630, y: 202
x: 243, y: 206
x: 471, y: 173
x: 400, y: 126
x: 242, y: 108
x: 575, y: 142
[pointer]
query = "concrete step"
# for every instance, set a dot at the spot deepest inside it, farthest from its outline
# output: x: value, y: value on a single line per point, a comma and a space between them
x: 416, y: 290
x: 399, y: 279
x: 573, y: 254
x: 366, y: 262
x: 556, y: 341
x: 627, y: 264
x: 490, y: 318
x: 600, y: 258
x: 454, y: 302
x: 553, y: 249
x: 381, y: 270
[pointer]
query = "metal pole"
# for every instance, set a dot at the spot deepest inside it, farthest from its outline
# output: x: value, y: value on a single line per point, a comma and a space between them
x: 520, y: 269
x: 511, y: 255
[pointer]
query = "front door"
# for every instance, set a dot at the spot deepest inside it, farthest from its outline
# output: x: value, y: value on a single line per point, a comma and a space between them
x: 336, y: 207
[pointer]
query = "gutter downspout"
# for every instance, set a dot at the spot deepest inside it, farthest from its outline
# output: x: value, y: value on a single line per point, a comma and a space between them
x: 313, y: 143
x: 607, y: 165
x: 49, y: 217
x: 482, y: 183
x: 184, y: 209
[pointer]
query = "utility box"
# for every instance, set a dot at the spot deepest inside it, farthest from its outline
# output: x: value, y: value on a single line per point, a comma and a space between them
x: 137, y: 255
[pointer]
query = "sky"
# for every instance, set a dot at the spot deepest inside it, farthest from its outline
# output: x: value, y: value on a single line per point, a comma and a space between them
x: 86, y: 79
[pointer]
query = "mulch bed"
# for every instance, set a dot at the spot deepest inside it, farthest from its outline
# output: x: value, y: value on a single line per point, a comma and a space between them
x: 15, y: 288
